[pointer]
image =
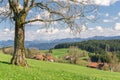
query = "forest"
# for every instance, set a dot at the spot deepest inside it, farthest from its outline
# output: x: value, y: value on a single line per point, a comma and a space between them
x: 98, y: 49
x: 94, y: 46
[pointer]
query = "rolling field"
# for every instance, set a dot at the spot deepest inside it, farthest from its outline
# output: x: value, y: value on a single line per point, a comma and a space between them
x: 60, y: 52
x: 41, y: 70
x: 57, y: 52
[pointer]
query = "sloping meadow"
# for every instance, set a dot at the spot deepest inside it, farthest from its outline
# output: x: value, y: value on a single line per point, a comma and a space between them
x: 41, y: 70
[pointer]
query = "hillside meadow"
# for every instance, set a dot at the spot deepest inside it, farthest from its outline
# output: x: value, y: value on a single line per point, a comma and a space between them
x: 43, y: 70
x: 57, y: 52
x: 61, y: 52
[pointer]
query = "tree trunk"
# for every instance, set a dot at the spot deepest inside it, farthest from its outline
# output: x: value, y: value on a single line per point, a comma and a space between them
x: 19, y: 49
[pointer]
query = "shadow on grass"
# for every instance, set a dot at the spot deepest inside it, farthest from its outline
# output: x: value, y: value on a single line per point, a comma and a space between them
x: 5, y: 62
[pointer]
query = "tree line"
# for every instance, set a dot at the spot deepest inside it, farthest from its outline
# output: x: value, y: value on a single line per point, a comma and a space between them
x: 94, y: 46
x: 98, y: 49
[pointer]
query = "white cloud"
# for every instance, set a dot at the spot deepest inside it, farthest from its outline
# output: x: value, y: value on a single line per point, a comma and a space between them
x: 51, y: 34
x: 117, y: 26
x: 59, y: 34
x: 115, y: 18
x: 118, y: 13
x: 84, y: 28
x: 4, y: 10
x: 105, y: 2
x: 91, y: 17
x: 97, y: 32
x: 38, y: 31
x: 106, y: 20
x: 99, y: 28
x: 36, y: 23
x: 7, y: 30
x: 98, y: 2
x: 65, y: 33
x: 6, y: 34
x: 43, y: 15
x: 47, y: 31
x: 107, y: 14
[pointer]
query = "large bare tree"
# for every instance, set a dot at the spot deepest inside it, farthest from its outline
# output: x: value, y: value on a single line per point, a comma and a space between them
x: 73, y: 13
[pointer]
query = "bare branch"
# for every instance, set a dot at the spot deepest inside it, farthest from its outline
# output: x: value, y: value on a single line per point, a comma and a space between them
x: 26, y: 4
x: 13, y: 6
x: 74, y: 13
x: 41, y: 20
x: 32, y: 3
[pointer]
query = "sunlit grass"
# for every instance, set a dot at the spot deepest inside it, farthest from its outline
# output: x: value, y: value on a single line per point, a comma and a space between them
x: 41, y: 70
x: 57, y: 52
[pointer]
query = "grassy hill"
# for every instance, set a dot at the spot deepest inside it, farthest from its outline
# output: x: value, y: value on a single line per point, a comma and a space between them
x: 60, y: 52
x: 41, y: 70
x: 57, y: 52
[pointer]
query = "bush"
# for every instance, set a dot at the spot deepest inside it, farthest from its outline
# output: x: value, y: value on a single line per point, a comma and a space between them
x: 82, y: 62
x: 76, y: 56
x: 29, y: 53
x: 8, y: 50
x: 116, y: 67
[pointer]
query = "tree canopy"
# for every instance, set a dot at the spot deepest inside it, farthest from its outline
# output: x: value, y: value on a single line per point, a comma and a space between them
x: 72, y: 13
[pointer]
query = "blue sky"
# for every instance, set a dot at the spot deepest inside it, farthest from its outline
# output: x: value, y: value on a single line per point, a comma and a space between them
x: 107, y: 24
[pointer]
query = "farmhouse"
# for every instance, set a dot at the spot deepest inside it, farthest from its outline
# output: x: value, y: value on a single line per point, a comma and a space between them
x: 43, y: 57
x: 96, y: 65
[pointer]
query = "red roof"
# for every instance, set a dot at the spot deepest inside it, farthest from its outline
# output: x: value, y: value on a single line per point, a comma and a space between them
x: 93, y: 65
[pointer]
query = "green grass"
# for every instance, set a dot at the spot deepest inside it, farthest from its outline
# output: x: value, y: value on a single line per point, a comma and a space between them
x: 57, y: 52
x: 61, y: 52
x: 41, y: 70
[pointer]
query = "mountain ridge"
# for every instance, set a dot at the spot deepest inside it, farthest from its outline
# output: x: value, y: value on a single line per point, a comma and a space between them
x: 50, y: 44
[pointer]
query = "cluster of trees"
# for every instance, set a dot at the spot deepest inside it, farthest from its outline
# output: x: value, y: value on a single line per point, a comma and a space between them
x: 105, y: 51
x: 94, y: 46
x: 74, y: 55
x: 29, y: 53
x: 98, y: 48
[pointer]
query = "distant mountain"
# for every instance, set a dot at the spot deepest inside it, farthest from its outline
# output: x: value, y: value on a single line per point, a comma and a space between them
x: 68, y: 40
x: 6, y: 43
x: 50, y: 44
x: 104, y: 38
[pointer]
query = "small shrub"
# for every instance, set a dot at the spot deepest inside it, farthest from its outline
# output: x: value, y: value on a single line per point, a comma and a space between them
x: 82, y: 62
x: 8, y: 50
